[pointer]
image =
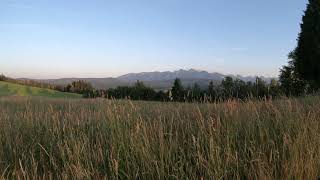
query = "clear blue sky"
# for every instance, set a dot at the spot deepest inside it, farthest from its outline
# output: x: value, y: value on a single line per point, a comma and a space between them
x: 102, y: 38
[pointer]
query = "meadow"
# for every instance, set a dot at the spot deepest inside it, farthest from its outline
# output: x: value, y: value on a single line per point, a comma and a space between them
x: 12, y: 89
x: 42, y: 138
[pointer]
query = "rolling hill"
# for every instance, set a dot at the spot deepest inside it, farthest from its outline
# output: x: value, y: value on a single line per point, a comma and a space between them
x: 11, y: 89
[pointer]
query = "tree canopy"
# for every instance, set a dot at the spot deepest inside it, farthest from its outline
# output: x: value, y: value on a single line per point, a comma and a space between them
x: 307, y: 61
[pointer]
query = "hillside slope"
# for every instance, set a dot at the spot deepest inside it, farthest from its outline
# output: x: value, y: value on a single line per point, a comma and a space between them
x: 11, y: 89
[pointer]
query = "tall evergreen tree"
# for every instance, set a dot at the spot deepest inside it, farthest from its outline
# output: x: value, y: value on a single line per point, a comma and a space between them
x: 211, y: 87
x: 290, y: 82
x: 307, y: 62
x: 196, y: 92
x: 211, y: 91
x: 228, y: 85
x: 2, y: 77
x: 177, y: 90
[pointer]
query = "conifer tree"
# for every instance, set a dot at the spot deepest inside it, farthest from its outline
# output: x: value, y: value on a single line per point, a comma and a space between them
x: 177, y: 90
x: 307, y: 62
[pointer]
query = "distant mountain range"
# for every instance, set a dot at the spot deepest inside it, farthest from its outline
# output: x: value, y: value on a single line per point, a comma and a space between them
x: 156, y: 80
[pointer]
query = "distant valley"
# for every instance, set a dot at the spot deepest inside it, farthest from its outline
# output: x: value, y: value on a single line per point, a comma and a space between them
x: 156, y: 80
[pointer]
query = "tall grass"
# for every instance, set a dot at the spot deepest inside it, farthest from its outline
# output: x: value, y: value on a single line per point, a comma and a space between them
x: 106, y: 139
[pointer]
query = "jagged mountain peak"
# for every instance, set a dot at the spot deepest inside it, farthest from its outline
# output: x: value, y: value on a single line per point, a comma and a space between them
x: 170, y: 75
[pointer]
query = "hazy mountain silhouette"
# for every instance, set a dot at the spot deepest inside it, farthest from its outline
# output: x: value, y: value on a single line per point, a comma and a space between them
x: 156, y: 80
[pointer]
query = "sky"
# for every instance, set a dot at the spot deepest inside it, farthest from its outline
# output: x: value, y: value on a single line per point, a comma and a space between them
x: 108, y: 38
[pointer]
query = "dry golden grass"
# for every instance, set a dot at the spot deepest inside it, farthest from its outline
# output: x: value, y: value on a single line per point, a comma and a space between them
x: 106, y: 139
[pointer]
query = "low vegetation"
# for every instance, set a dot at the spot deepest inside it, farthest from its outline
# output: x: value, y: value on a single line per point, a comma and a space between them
x: 115, y: 139
x: 12, y: 89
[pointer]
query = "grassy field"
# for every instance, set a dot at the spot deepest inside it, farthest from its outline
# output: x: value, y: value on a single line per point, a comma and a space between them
x: 11, y: 89
x: 97, y: 139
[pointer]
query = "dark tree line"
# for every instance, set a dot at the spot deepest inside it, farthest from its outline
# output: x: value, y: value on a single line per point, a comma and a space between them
x: 137, y: 92
x: 228, y: 89
x: 80, y: 87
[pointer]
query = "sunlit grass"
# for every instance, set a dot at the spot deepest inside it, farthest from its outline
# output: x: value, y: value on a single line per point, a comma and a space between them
x: 95, y: 139
x: 11, y: 89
